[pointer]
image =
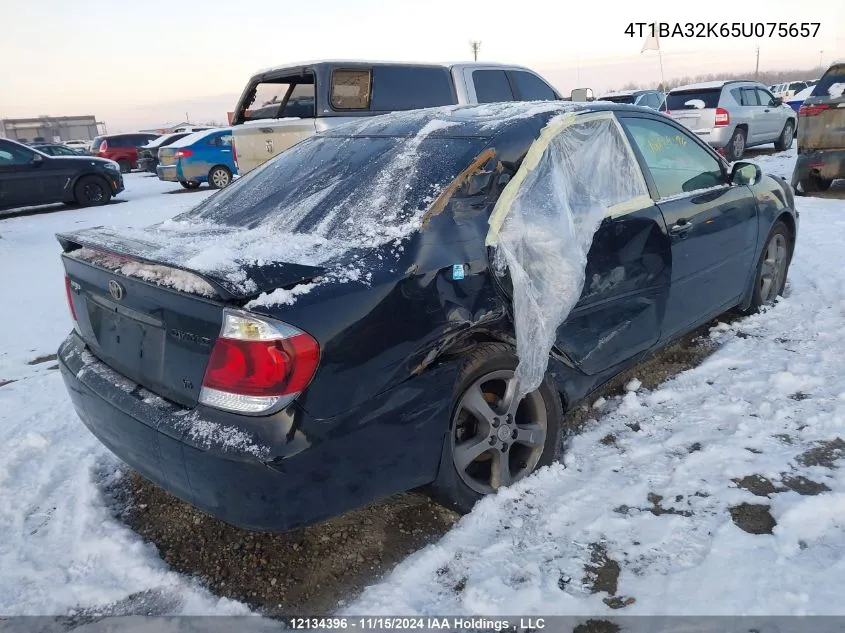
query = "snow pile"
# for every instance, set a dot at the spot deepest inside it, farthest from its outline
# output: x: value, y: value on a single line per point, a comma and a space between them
x: 550, y: 211
x: 161, y: 275
x: 720, y: 492
x: 836, y: 90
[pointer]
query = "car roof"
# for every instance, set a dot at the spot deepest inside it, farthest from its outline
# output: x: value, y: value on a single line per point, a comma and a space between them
x: 468, y: 121
x: 295, y: 66
x: 704, y: 85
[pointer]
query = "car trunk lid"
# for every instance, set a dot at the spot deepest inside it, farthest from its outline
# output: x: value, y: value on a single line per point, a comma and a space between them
x: 156, y: 323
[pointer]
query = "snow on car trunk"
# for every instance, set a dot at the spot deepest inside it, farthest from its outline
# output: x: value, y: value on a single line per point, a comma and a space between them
x: 698, y: 497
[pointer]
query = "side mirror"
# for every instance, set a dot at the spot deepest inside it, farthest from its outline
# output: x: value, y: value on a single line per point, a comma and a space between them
x: 776, y: 101
x: 745, y: 174
x: 698, y: 104
x: 37, y: 159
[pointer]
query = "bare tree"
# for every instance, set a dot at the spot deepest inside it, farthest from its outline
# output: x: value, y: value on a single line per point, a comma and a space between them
x: 475, y: 46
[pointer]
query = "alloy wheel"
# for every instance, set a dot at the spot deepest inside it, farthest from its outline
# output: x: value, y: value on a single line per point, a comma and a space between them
x: 496, y: 439
x: 773, y: 269
x: 220, y: 178
x: 93, y: 192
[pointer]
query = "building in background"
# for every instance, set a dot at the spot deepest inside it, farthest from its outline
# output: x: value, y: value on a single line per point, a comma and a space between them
x: 171, y: 127
x: 52, y: 129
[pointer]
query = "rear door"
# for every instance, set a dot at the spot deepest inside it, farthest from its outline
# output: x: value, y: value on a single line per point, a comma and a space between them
x: 823, y: 113
x: 712, y: 225
x: 620, y: 311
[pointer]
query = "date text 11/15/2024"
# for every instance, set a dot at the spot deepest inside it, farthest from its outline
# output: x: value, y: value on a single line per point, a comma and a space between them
x: 722, y: 29
x: 431, y: 623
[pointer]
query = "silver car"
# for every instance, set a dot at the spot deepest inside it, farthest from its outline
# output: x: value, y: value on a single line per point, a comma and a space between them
x: 733, y: 115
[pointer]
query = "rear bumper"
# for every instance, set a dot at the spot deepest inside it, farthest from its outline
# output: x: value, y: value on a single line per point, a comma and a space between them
x: 270, y: 474
x: 827, y: 164
x: 167, y: 172
x: 716, y: 136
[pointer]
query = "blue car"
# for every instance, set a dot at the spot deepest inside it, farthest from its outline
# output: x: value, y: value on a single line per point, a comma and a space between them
x: 200, y: 157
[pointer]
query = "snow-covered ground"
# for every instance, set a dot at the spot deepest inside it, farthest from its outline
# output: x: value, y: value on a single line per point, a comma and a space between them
x: 60, y: 549
x: 648, y: 485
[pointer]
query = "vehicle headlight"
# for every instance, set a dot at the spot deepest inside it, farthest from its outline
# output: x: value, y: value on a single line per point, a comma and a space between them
x: 112, y: 165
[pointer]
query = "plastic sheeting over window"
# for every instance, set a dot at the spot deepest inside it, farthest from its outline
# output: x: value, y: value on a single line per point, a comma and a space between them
x: 579, y: 170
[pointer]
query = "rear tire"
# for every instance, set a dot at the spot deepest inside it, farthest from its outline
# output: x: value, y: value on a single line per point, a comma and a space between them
x: 784, y: 141
x: 736, y: 145
x: 492, y: 441
x: 772, y: 268
x: 92, y: 191
x: 815, y: 184
x: 125, y: 166
x: 189, y: 184
x: 219, y: 177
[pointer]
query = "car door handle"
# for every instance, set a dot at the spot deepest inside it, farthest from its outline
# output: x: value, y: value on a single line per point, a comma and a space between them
x: 766, y: 110
x: 226, y: 150
x: 681, y: 227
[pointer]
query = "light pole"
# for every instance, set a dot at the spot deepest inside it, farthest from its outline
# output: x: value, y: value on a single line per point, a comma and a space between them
x: 475, y: 46
x: 820, y: 60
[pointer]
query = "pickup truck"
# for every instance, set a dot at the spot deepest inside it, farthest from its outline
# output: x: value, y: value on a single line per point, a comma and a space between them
x: 281, y: 106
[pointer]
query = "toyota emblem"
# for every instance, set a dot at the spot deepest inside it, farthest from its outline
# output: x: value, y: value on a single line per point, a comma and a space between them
x: 115, y: 290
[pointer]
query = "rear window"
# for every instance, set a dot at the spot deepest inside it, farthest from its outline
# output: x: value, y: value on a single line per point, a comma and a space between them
x: 491, y: 86
x: 797, y: 85
x: 677, y: 99
x: 296, y: 94
x: 95, y: 144
x: 351, y: 89
x: 409, y: 88
x: 832, y: 83
x: 361, y: 191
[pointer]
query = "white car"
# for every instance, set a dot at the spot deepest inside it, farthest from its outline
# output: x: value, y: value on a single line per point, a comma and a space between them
x: 788, y: 89
x: 79, y: 144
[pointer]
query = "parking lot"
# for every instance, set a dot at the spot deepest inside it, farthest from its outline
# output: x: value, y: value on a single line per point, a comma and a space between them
x: 714, y: 453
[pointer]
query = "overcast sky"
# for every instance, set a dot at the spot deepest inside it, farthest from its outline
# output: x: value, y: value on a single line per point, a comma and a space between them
x: 138, y: 63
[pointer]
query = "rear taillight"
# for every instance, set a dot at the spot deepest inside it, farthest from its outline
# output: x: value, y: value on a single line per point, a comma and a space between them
x: 103, y: 146
x: 69, y: 292
x: 813, y: 109
x: 183, y: 153
x: 722, y: 117
x: 235, y: 155
x: 257, y: 364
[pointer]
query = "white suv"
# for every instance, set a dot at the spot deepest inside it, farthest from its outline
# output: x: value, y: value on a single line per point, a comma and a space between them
x: 733, y: 115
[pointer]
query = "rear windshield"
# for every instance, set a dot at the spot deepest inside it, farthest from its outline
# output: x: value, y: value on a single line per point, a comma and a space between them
x: 832, y: 84
x: 618, y: 98
x: 677, y: 99
x: 360, y: 191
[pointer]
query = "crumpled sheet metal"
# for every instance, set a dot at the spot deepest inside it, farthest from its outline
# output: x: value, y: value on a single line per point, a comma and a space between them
x: 580, y: 170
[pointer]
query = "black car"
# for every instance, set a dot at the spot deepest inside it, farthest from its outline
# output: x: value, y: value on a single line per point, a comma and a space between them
x: 148, y: 154
x: 30, y: 177
x: 340, y: 325
x: 56, y: 149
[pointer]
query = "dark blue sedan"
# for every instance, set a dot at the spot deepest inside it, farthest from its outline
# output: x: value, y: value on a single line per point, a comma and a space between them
x: 346, y: 322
